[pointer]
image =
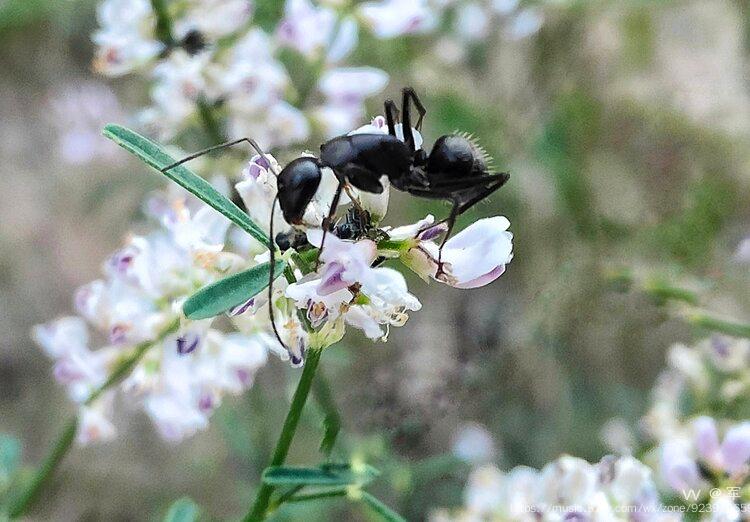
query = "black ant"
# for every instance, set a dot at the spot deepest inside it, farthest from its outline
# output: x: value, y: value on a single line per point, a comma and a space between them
x: 456, y: 170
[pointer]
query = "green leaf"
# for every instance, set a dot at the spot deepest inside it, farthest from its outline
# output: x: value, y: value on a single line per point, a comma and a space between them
x: 182, y: 510
x: 229, y: 292
x: 10, y: 458
x: 324, y: 475
x: 154, y: 156
x: 381, y: 509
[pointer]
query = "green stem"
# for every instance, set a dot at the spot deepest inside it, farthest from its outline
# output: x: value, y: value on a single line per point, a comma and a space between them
x: 163, y: 22
x: 260, y: 506
x: 714, y: 324
x: 65, y: 440
x: 332, y: 419
x: 45, y: 471
x: 126, y: 365
x: 210, y: 124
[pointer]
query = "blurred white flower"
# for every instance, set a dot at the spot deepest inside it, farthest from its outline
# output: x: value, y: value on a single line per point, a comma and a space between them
x: 305, y: 27
x: 392, y: 18
x: 566, y: 489
x: 214, y: 18
x: 78, y: 113
x: 474, y: 444
x: 125, y: 39
x: 525, y: 23
x: 180, y: 380
x: 473, y: 22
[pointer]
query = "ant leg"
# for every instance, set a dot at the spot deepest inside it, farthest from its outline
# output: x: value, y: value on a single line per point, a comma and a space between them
x: 451, y: 220
x: 480, y: 195
x: 225, y: 145
x: 327, y: 220
x: 406, y: 122
x: 408, y: 92
x: 391, y: 114
x: 271, y: 277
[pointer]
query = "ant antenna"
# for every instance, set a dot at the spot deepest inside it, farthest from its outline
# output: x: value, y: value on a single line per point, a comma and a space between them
x: 218, y: 147
x: 272, y: 247
x: 272, y: 244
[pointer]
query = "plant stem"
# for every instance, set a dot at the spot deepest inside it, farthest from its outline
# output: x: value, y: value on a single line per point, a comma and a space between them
x: 332, y: 419
x: 210, y: 124
x: 163, y: 22
x: 65, y: 440
x: 260, y: 506
x: 126, y: 365
x: 714, y: 324
x: 45, y: 471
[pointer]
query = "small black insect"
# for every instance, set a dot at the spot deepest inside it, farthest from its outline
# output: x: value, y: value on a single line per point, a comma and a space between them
x: 456, y: 170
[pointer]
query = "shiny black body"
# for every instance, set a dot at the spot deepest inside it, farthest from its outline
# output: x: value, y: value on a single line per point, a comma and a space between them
x: 455, y: 169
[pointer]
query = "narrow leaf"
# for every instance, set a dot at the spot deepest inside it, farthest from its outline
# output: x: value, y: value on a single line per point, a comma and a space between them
x: 10, y: 457
x: 182, y: 510
x: 155, y: 156
x: 325, y: 475
x: 229, y: 292
x: 383, y: 511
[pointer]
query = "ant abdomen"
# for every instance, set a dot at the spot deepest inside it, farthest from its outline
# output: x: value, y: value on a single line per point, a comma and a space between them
x: 455, y: 156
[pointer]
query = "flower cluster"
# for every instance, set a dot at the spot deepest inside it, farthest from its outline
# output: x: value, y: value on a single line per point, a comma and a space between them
x: 566, y: 489
x: 698, y: 420
x: 184, y: 367
x: 208, y: 57
x: 188, y: 365
x: 210, y: 64
x: 349, y: 287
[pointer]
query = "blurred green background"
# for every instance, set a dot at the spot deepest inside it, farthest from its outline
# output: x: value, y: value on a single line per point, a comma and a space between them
x: 625, y: 125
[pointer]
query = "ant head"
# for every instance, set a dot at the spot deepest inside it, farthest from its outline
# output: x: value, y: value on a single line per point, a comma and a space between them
x: 457, y: 155
x: 297, y: 184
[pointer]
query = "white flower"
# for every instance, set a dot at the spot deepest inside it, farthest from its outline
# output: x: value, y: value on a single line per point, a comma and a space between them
x: 474, y: 444
x: 214, y: 18
x: 78, y: 368
x: 345, y: 90
x: 483, y: 492
x: 472, y: 22
x: 392, y: 18
x: 344, y: 41
x: 678, y: 468
x: 344, y: 262
x: 306, y: 28
x: 351, y: 85
x: 735, y: 449
x: 320, y: 307
x: 79, y: 112
x: 180, y: 380
x: 566, y: 489
x: 527, y: 22
x: 125, y: 40
x: 179, y: 82
x: 94, y: 424
x: 474, y: 257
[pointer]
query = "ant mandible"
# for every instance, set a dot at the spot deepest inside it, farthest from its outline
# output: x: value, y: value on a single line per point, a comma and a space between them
x: 456, y: 170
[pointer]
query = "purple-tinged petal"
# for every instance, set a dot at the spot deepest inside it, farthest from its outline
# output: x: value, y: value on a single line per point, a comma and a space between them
x: 735, y: 449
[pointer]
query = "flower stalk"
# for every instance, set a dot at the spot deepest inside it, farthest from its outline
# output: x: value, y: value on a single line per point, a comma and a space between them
x: 45, y: 471
x: 260, y: 506
x: 65, y: 441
